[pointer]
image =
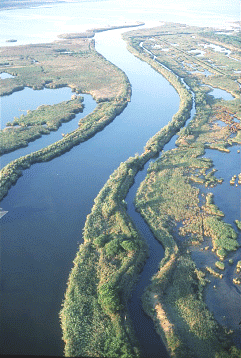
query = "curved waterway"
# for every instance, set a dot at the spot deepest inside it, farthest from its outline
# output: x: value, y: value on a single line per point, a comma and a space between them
x: 150, y: 342
x: 48, y: 205
x: 221, y: 296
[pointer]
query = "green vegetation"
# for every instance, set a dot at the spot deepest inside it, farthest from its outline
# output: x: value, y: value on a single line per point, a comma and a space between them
x: 222, y: 234
x: 94, y: 317
x: 171, y: 204
x: 118, y: 254
x: 105, y: 269
x: 238, y: 224
x: 238, y: 266
x: 103, y: 114
x: 35, y: 123
x: 220, y: 265
x: 229, y: 38
x: 82, y: 69
x: 73, y: 63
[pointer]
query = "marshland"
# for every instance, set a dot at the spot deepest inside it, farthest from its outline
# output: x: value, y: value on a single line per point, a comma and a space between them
x: 179, y: 198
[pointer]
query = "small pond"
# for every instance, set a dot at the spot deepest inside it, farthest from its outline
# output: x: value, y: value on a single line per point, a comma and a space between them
x: 5, y: 75
x: 219, y: 93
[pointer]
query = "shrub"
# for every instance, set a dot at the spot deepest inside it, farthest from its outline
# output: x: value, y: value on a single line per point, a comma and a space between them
x: 220, y: 265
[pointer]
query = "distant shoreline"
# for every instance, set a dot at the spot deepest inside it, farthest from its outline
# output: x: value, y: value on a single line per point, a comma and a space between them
x: 8, y: 5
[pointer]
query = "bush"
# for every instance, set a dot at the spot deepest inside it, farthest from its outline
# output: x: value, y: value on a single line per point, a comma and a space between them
x: 113, y: 247
x: 220, y: 265
x: 129, y: 245
x: 101, y: 240
x: 109, y: 299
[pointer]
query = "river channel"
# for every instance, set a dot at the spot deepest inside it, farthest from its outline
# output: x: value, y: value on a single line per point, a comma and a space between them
x: 48, y: 205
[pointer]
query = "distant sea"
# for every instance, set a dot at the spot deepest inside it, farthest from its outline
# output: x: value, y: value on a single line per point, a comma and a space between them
x: 43, y: 23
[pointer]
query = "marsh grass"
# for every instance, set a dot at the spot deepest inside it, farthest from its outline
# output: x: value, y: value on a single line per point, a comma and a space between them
x: 31, y: 126
x: 169, y: 202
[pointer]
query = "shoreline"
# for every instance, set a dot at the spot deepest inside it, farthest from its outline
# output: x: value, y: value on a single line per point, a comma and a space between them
x: 107, y: 109
x: 29, y: 4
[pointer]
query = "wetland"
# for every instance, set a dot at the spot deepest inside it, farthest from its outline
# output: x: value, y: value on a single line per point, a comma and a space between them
x: 180, y: 198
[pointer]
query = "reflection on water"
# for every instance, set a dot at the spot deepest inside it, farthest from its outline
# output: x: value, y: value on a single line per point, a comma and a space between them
x: 19, y: 102
x: 29, y: 98
x: 43, y: 24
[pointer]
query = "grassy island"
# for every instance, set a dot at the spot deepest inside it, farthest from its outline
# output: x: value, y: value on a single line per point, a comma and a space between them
x: 31, y: 126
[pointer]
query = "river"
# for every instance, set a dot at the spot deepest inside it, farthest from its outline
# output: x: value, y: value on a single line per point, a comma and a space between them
x: 48, y: 205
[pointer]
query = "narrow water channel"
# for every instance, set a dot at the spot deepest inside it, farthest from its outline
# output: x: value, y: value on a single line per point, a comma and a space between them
x: 222, y: 296
x: 150, y: 342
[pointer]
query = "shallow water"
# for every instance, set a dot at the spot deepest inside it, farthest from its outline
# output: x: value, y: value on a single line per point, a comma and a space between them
x: 5, y: 75
x: 219, y: 93
x: 31, y: 99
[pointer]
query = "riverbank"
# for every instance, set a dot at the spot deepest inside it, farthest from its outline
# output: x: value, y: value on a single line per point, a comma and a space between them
x: 169, y: 202
x: 89, y: 126
x: 82, y: 69
x: 34, y: 124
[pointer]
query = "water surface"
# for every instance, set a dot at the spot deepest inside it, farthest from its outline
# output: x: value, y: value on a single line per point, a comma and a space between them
x: 49, y: 203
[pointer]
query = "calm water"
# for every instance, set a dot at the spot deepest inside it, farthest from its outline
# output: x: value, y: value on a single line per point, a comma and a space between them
x: 48, y: 205
x: 19, y: 102
x: 149, y: 340
x: 28, y: 98
x: 45, y: 23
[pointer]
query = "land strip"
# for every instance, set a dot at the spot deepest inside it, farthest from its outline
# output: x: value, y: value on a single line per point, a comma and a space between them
x: 110, y: 259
